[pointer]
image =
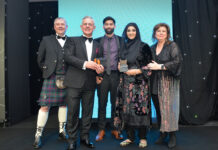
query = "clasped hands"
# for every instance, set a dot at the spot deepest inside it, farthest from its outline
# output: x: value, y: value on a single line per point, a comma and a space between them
x: 154, y: 66
x: 94, y: 66
x: 133, y: 72
x: 98, y: 68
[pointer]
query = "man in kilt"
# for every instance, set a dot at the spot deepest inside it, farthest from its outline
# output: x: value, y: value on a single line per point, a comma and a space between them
x: 51, y: 61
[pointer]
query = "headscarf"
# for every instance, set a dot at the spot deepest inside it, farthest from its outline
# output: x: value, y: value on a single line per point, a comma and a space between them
x: 132, y: 46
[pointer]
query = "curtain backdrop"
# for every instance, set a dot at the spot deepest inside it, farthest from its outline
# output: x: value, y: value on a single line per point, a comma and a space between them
x: 41, y: 17
x: 195, y: 24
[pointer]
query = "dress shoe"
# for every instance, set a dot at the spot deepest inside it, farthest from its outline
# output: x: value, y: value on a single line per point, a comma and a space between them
x: 37, y: 143
x: 117, y: 135
x: 72, y: 146
x: 172, y: 140
x: 100, y: 135
x: 87, y: 143
x: 62, y: 136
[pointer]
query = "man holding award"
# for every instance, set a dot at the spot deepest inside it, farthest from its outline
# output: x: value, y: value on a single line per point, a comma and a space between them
x: 80, y: 81
x: 112, y: 45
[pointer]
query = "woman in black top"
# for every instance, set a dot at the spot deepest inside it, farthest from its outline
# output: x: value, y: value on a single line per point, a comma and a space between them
x: 133, y: 100
x: 166, y: 66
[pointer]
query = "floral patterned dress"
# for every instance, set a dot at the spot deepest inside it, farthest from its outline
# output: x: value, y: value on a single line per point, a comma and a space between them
x: 133, y: 106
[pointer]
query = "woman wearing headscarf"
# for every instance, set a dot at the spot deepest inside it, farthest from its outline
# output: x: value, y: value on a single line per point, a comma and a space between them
x: 166, y: 66
x: 133, y: 106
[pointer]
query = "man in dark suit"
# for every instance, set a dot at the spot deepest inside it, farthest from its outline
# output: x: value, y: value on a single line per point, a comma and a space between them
x: 51, y: 61
x: 112, y: 45
x: 81, y: 82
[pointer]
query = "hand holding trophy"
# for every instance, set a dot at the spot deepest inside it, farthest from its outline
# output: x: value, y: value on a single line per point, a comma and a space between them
x: 123, y: 67
x: 99, y: 70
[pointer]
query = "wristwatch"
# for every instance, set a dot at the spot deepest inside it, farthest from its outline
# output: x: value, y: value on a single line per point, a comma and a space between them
x: 162, y: 67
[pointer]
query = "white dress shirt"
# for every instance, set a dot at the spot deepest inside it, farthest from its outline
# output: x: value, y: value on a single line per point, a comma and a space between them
x: 88, y: 51
x: 61, y: 41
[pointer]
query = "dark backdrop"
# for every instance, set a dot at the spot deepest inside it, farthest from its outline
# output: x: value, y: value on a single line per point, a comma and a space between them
x: 195, y: 31
x: 215, y: 115
x: 16, y: 60
x: 41, y: 19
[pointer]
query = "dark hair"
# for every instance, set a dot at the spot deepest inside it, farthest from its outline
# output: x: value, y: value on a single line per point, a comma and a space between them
x: 108, y: 18
x: 156, y: 27
x: 138, y: 37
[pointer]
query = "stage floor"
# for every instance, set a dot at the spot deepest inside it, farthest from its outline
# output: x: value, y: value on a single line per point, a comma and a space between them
x: 21, y: 137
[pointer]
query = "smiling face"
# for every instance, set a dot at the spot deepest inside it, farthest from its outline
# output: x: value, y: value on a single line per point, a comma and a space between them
x: 60, y: 26
x: 131, y: 32
x: 87, y: 26
x: 109, y: 27
x: 161, y: 34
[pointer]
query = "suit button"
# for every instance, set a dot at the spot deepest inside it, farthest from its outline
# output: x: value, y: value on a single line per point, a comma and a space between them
x: 55, y: 61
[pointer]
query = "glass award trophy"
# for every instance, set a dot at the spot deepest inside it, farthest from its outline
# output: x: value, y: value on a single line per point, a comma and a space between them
x: 123, y: 66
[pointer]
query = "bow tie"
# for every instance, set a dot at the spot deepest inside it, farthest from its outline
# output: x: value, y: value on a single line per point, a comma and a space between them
x: 59, y: 37
x: 90, y: 39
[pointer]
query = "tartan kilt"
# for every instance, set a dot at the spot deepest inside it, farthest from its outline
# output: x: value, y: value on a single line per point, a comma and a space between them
x: 50, y: 95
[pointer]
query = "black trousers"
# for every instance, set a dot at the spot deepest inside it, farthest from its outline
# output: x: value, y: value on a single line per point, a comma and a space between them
x: 157, y: 107
x: 74, y: 96
x: 130, y: 131
x: 109, y: 84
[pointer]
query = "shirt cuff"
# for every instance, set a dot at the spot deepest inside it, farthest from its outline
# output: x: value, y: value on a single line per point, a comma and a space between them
x: 84, y: 65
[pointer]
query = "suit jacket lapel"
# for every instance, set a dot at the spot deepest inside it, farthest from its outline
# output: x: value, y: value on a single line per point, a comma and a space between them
x: 118, y: 43
x: 84, y: 47
x: 102, y: 41
x: 55, y: 43
x: 67, y: 40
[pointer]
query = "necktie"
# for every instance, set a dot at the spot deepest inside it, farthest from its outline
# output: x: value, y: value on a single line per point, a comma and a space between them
x: 90, y: 39
x: 108, y: 70
x: 59, y: 37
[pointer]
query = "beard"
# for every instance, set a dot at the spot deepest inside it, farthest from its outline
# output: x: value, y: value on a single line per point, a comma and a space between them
x: 109, y: 31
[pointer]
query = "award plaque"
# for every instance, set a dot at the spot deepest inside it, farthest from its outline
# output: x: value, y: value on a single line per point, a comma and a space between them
x: 99, y: 78
x: 123, y: 66
x: 96, y: 60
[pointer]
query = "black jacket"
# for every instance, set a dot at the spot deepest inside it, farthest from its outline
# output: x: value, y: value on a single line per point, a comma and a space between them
x: 48, y: 55
x: 75, y: 56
